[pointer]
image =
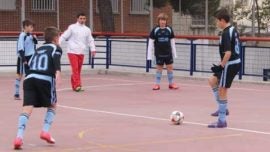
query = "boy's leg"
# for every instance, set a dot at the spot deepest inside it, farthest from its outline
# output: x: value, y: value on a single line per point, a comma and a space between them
x: 22, y: 122
x: 80, y: 64
x: 17, y: 87
x: 18, y: 79
x: 222, y: 107
x: 73, y: 59
x: 48, y: 120
x: 170, y: 76
x: 158, y: 77
x: 213, y: 82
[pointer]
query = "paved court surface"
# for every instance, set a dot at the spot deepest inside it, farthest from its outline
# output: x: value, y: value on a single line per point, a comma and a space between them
x: 120, y: 113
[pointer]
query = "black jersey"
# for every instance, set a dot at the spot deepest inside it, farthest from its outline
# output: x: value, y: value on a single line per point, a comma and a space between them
x: 162, y: 41
x: 46, y: 60
x: 229, y: 41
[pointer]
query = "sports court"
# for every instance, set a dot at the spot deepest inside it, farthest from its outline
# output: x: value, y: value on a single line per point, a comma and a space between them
x: 118, y: 112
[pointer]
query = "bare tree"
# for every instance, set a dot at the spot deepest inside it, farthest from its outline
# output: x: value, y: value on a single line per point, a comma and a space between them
x: 258, y: 17
x: 106, y: 15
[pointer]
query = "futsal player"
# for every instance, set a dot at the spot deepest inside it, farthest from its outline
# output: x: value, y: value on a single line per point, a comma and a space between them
x: 224, y: 73
x: 161, y: 39
x: 25, y: 49
x: 39, y: 85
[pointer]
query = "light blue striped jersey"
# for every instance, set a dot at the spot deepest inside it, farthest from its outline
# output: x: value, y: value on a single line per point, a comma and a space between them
x: 26, y: 43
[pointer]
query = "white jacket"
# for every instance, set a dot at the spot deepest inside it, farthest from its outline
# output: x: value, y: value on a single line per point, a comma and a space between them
x: 79, y: 39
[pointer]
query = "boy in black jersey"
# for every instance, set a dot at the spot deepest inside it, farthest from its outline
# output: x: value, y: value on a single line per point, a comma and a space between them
x: 40, y: 85
x: 161, y: 39
x: 224, y: 73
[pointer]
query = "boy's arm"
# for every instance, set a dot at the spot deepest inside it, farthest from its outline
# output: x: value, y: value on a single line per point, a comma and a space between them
x: 57, y: 65
x: 35, y: 39
x: 91, y: 43
x: 58, y: 78
x: 65, y: 36
x: 227, y: 49
x: 173, y: 48
x: 226, y: 58
x: 21, y: 47
x: 150, y: 49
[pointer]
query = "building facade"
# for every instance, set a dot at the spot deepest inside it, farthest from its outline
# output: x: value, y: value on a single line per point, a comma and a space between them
x: 129, y: 15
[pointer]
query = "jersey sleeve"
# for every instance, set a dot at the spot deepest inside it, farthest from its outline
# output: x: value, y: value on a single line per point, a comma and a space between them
x: 20, y: 45
x: 172, y: 33
x: 65, y: 36
x: 91, y: 41
x: 226, y: 41
x: 57, y: 59
x: 152, y: 34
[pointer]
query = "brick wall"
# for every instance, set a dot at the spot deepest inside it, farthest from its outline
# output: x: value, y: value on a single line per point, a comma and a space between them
x: 10, y: 19
x: 135, y: 23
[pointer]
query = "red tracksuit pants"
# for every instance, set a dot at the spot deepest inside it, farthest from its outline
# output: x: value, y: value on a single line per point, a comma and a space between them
x: 76, y: 62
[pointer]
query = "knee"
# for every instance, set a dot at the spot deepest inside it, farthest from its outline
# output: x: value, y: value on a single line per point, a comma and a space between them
x: 212, y: 81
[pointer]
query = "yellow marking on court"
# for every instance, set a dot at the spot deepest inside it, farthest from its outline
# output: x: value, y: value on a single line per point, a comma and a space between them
x: 115, y: 147
x: 82, y: 133
x: 202, y: 138
x: 127, y: 147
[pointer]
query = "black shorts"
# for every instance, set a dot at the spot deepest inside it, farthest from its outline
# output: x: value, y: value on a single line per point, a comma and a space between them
x: 161, y: 60
x: 226, y: 77
x: 22, y: 68
x: 39, y: 91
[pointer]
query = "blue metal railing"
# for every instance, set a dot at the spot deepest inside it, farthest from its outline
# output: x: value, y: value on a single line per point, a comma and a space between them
x: 193, y: 56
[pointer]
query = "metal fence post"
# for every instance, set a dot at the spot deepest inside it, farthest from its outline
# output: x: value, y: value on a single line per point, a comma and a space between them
x: 148, y: 62
x: 242, y: 61
x: 107, y: 51
x: 191, y: 57
x: 92, y: 60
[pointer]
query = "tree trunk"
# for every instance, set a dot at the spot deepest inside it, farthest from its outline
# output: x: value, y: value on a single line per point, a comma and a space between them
x: 258, y: 18
x: 106, y: 15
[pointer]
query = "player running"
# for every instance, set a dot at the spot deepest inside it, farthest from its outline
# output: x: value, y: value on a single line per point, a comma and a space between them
x: 161, y: 39
x: 39, y: 85
x: 229, y: 66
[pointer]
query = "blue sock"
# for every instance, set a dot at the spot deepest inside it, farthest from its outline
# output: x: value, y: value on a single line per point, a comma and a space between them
x: 48, y: 119
x: 17, y: 86
x: 170, y: 76
x: 222, y: 110
x: 216, y: 95
x: 158, y: 77
x: 23, y: 119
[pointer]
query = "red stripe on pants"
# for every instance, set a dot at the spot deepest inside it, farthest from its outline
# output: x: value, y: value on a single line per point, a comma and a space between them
x: 76, y: 62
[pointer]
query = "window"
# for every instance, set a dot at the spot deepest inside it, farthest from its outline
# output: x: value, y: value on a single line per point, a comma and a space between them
x: 114, y: 6
x: 198, y: 20
x: 7, y: 4
x: 140, y: 6
x: 43, y: 5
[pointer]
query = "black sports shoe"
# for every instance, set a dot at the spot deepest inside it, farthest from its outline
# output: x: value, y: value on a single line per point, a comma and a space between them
x: 17, y: 97
x: 215, y: 114
x: 218, y: 124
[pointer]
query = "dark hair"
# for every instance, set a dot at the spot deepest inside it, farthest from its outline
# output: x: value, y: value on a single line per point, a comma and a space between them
x: 28, y: 22
x: 222, y: 13
x: 80, y: 14
x: 50, y: 33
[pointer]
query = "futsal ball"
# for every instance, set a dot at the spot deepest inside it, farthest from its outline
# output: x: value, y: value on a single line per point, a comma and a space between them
x: 177, y: 117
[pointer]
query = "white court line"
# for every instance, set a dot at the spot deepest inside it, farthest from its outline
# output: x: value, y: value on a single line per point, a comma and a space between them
x: 188, y: 85
x: 106, y: 85
x: 156, y: 118
x: 146, y: 82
